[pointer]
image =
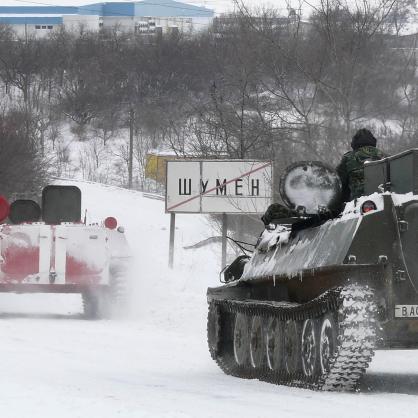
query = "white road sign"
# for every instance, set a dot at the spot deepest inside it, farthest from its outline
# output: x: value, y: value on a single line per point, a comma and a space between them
x: 218, y: 186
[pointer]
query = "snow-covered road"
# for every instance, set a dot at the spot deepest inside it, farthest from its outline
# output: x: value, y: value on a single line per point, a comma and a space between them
x: 64, y: 366
x: 156, y: 364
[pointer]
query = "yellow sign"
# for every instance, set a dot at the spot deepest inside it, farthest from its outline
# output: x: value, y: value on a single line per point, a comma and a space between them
x: 155, y: 167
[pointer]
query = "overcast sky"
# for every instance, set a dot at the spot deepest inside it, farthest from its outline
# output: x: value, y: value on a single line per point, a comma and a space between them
x: 220, y: 6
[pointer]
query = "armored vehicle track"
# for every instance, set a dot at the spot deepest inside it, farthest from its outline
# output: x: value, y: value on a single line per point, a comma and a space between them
x: 324, y: 344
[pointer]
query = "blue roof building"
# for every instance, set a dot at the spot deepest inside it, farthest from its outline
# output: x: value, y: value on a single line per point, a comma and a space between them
x: 30, y: 10
x: 146, y: 16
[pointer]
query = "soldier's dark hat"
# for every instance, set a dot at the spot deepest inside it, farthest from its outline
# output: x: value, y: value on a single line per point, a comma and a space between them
x: 362, y: 138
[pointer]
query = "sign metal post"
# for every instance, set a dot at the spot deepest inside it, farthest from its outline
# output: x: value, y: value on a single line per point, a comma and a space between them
x: 172, y: 234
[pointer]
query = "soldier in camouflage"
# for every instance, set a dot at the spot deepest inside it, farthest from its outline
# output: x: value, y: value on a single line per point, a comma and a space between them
x: 351, y: 169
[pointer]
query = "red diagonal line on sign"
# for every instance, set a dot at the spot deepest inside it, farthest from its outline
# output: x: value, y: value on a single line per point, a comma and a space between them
x: 218, y: 187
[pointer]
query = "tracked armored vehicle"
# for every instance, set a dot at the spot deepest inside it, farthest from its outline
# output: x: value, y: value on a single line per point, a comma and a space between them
x: 320, y: 293
x: 49, y: 248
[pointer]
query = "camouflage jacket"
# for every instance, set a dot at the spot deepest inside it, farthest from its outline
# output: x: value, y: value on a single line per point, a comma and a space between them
x: 351, y: 170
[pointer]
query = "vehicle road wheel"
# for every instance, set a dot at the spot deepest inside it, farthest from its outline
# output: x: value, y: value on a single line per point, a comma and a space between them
x: 327, y: 342
x: 274, y: 344
x: 309, y: 348
x: 214, y: 330
x: 241, y: 339
x: 292, y: 358
x: 257, y: 342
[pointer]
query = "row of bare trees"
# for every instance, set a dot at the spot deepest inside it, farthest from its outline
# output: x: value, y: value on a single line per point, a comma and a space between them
x: 253, y: 85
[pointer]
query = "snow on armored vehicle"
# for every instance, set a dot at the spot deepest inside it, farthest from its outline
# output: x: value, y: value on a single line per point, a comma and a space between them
x: 49, y: 249
x: 321, y: 293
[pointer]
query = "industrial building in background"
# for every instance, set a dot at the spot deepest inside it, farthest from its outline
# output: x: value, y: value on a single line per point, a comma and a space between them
x: 143, y: 17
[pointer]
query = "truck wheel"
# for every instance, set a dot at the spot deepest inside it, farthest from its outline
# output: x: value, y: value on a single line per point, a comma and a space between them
x: 241, y: 339
x: 96, y: 304
x: 274, y: 344
x: 118, y: 294
x: 257, y: 342
x: 309, y: 348
x: 327, y: 342
x: 292, y: 338
x: 90, y: 305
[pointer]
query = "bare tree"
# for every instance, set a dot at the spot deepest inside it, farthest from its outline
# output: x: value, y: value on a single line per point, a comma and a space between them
x: 22, y: 167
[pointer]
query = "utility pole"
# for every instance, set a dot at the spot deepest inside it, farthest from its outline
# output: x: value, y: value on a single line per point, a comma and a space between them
x: 26, y: 92
x: 131, y: 145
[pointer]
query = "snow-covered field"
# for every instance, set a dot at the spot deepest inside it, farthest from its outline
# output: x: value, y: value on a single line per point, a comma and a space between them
x: 156, y: 363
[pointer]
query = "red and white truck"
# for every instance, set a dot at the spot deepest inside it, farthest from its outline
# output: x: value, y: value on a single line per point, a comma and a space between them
x: 48, y: 248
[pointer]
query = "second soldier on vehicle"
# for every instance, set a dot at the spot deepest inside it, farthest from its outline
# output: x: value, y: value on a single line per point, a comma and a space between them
x: 351, y: 167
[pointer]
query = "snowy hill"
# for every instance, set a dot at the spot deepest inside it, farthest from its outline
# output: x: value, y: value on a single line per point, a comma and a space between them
x: 156, y: 363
